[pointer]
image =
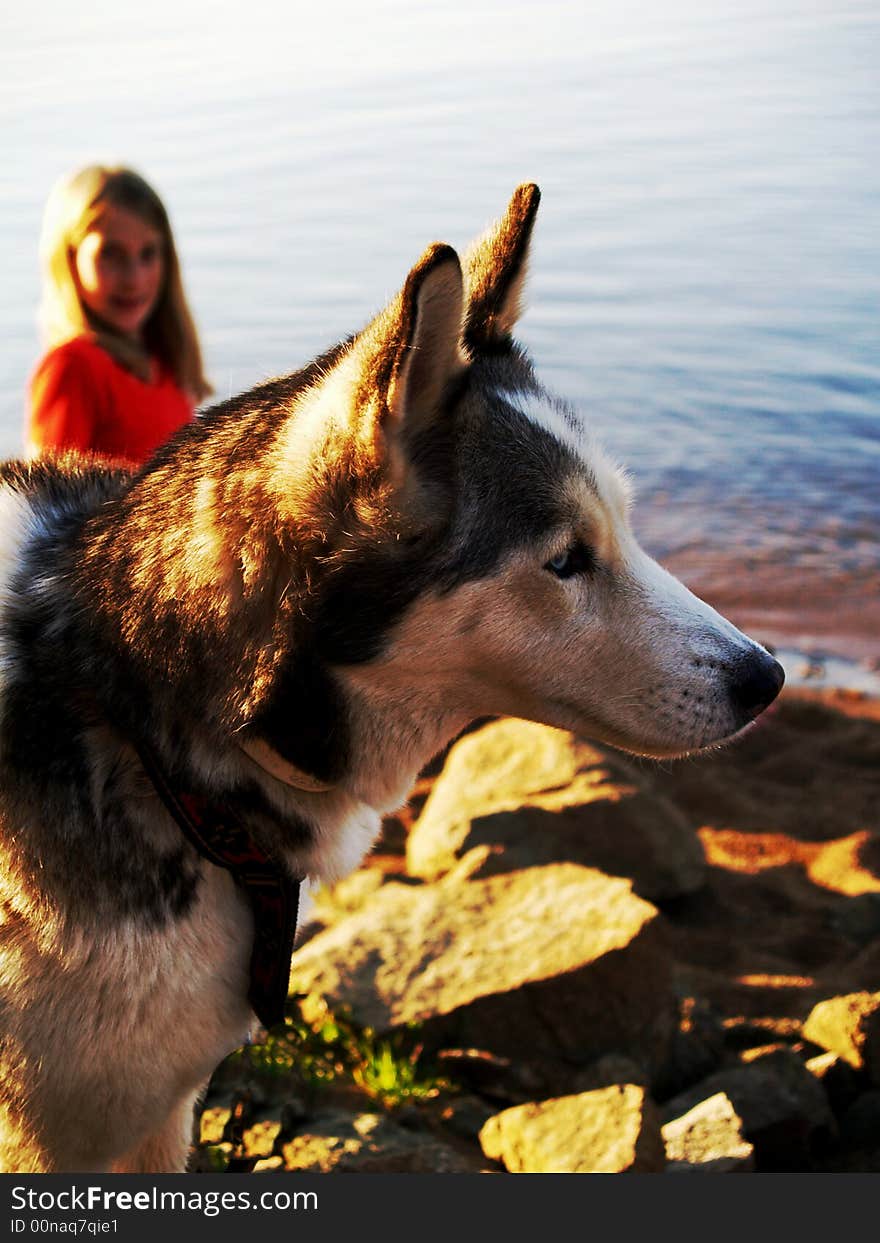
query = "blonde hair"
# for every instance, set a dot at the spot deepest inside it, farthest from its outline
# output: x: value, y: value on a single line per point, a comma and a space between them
x: 74, y: 208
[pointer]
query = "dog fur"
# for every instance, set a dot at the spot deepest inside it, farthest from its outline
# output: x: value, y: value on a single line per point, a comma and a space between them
x: 325, y: 578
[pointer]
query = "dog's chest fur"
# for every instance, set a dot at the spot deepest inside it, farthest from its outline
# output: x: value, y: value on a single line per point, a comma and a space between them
x: 117, y: 1009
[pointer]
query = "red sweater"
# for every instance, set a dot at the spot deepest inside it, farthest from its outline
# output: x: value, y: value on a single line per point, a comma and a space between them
x: 81, y: 398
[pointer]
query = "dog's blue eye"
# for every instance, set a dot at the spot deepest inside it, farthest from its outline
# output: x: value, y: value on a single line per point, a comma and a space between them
x: 578, y: 559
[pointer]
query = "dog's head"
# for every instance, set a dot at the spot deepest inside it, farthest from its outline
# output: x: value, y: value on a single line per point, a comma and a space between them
x: 470, y: 545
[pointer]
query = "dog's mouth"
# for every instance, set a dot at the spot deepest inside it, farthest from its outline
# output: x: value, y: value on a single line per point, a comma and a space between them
x: 675, y: 737
x: 759, y: 722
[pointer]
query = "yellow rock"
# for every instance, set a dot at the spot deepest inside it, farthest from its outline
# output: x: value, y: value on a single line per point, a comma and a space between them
x: 213, y: 1124
x: 259, y: 1139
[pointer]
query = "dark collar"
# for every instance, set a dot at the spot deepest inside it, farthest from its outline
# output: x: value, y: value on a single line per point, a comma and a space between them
x: 219, y: 835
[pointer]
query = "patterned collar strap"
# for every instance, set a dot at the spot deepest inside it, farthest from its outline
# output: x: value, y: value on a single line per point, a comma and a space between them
x: 219, y: 835
x: 277, y: 766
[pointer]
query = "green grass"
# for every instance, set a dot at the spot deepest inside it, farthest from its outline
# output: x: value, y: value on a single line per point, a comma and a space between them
x: 317, y: 1048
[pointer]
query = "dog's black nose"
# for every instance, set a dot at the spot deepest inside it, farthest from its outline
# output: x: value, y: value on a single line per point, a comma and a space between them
x: 755, y: 684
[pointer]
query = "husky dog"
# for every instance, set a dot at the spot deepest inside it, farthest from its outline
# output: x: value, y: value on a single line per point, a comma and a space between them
x: 299, y: 601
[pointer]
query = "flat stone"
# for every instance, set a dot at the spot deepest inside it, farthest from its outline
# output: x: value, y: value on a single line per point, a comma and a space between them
x: 213, y: 1123
x: 259, y: 1139
x: 367, y: 1143
x: 849, y: 1026
x: 557, y: 962
x: 708, y: 1139
x: 534, y: 795
x: 780, y: 1103
x: 610, y: 1130
x: 332, y: 902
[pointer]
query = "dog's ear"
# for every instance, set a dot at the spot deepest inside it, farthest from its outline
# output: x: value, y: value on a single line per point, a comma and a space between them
x: 405, y: 366
x: 428, y: 357
x: 408, y: 360
x: 495, y: 271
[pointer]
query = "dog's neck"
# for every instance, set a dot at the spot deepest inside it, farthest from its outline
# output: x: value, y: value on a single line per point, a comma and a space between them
x: 396, y: 731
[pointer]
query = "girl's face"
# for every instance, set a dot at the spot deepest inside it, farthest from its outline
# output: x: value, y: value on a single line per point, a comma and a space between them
x: 119, y: 269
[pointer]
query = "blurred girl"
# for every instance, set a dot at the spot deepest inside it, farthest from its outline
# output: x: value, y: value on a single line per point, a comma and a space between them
x: 124, y: 367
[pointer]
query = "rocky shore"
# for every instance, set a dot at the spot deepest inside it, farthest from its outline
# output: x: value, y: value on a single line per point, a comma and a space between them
x: 613, y: 965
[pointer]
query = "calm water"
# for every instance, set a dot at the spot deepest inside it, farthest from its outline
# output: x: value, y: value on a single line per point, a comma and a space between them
x: 706, y: 268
